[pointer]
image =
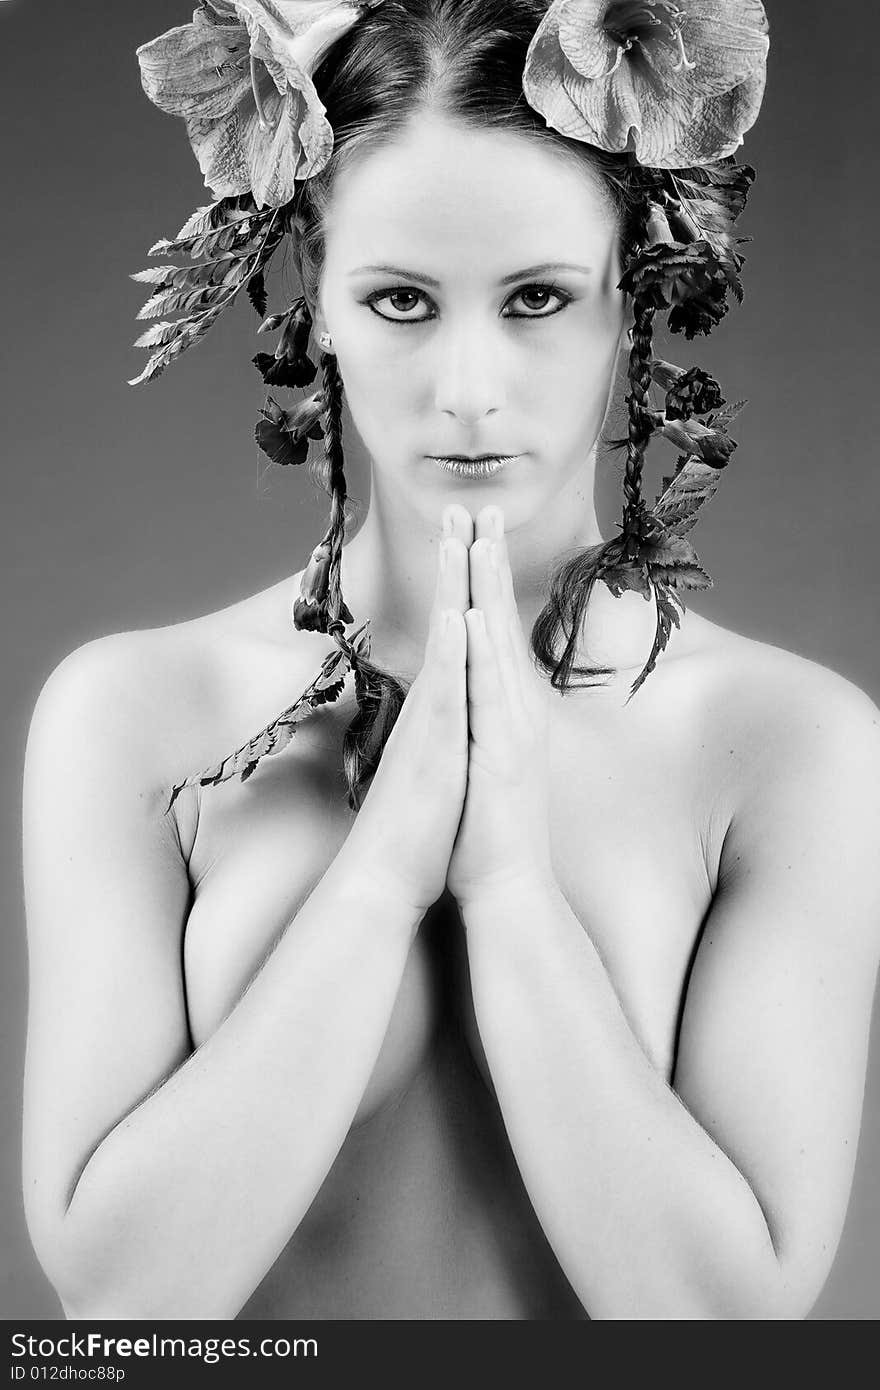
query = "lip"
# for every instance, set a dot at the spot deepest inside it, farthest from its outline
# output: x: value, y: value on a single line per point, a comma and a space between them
x: 473, y: 466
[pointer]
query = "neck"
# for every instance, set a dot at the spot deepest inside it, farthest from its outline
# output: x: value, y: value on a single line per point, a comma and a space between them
x: 389, y: 574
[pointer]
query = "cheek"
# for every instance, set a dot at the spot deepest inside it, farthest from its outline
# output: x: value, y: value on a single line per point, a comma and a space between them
x: 572, y: 383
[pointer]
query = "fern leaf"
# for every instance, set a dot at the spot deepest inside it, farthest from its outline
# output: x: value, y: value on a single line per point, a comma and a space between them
x: 693, y: 485
x: 184, y: 333
x: 326, y: 688
x: 723, y: 417
x: 181, y: 302
x: 668, y: 607
x: 197, y: 223
x: 157, y: 336
x: 154, y: 275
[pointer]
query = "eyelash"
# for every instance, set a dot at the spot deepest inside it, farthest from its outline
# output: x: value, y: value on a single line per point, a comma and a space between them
x: 377, y: 295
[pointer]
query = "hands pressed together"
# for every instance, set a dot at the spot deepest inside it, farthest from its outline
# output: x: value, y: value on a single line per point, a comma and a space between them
x: 460, y: 798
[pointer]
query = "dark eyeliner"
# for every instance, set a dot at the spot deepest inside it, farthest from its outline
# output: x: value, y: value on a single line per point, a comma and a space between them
x: 554, y: 289
x: 375, y: 295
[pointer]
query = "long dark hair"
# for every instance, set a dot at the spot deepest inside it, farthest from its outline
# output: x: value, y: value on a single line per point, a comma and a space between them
x: 465, y: 59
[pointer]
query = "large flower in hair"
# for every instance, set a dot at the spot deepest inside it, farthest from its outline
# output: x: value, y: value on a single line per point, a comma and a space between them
x: 676, y: 84
x: 240, y: 75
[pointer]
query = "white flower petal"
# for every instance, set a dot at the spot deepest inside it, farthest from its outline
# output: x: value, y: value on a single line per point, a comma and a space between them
x: 217, y: 146
x: 709, y: 137
x: 611, y: 109
x: 196, y: 70
x: 582, y: 38
x: 673, y: 112
x: 299, y: 30
x: 273, y: 157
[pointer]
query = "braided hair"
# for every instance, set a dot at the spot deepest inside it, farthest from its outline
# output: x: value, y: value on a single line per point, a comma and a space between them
x: 379, y: 694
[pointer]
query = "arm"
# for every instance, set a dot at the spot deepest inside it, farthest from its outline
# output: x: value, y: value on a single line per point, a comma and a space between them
x: 723, y: 1197
x: 159, y: 1183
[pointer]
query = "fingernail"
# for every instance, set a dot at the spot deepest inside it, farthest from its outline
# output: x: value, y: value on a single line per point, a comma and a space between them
x: 494, y: 558
x: 479, y: 620
x: 498, y: 524
x: 444, y: 555
x: 447, y: 525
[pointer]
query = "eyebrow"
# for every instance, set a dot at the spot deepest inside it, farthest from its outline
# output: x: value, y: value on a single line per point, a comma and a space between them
x: 507, y: 279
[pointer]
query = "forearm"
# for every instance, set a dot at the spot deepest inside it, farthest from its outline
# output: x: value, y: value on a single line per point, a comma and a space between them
x: 185, y: 1205
x: 647, y: 1216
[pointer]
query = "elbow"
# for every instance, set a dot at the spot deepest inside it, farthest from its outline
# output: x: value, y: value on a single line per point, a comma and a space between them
x: 756, y: 1290
x: 98, y: 1278
x: 762, y: 1301
x: 139, y: 1301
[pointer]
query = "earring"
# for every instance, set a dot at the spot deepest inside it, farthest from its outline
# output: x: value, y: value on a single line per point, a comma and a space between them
x: 326, y: 341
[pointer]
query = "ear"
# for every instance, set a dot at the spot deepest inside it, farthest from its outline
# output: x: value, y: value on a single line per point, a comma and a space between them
x: 319, y: 320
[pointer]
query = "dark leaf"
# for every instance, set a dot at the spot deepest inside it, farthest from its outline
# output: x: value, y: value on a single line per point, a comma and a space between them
x: 668, y: 607
x: 257, y: 292
x: 682, y: 576
x: 623, y: 577
x: 670, y: 549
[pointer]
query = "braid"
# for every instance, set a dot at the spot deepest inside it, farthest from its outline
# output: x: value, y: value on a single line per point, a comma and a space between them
x: 335, y: 483
x: 379, y: 695
x: 571, y: 583
x: 640, y: 428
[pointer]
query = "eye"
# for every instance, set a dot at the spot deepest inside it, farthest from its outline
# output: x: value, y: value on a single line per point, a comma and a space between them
x: 540, y: 292
x: 404, y: 300
x: 410, y: 299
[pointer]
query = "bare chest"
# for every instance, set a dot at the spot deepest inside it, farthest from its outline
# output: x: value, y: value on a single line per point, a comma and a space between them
x: 636, y: 831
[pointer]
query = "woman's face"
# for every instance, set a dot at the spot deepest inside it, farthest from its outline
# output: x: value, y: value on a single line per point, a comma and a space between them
x: 469, y: 286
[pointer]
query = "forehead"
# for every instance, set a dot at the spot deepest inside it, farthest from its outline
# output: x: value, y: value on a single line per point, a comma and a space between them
x: 449, y: 191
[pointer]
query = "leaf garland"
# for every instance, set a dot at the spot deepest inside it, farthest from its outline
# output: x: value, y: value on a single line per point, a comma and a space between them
x: 231, y: 243
x: 670, y: 562
x: 664, y: 561
x: 324, y: 689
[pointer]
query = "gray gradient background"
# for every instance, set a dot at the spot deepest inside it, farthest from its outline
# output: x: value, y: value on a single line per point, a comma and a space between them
x: 129, y: 509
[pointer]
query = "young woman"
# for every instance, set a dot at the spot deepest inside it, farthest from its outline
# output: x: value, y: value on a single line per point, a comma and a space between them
x: 525, y: 998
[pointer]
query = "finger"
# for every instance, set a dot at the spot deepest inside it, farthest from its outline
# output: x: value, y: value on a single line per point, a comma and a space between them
x: 452, y: 589
x: 457, y: 521
x: 489, y: 522
x: 488, y: 595
x: 518, y: 637
x: 443, y: 678
x: 448, y: 642
x: 488, y: 711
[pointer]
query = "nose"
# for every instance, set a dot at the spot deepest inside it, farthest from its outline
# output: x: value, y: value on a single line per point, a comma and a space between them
x: 470, y: 373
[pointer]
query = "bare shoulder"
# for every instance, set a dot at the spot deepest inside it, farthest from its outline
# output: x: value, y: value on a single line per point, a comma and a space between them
x: 799, y: 746
x: 176, y: 699
x: 778, y: 703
